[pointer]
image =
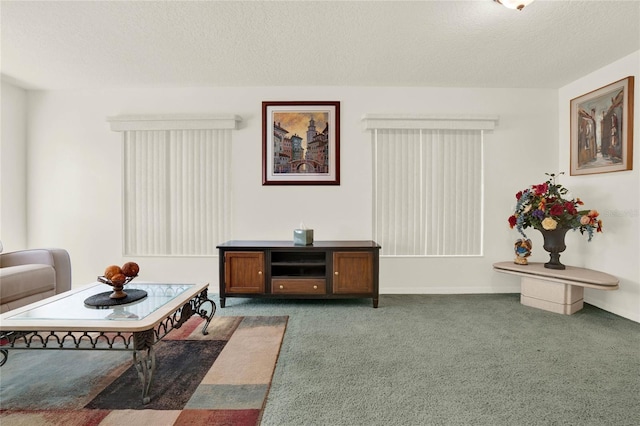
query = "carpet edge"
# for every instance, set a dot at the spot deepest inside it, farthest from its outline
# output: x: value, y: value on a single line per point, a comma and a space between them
x: 273, y: 372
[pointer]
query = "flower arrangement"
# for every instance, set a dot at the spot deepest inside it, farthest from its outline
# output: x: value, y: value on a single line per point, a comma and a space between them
x: 543, y: 206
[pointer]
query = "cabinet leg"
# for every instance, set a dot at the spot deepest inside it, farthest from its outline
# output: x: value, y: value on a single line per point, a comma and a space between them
x: 375, y: 302
x: 222, y: 303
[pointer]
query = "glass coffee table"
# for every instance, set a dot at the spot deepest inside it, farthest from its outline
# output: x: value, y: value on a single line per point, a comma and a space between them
x: 64, y: 322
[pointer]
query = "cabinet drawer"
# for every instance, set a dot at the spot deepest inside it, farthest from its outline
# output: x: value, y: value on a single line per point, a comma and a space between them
x: 298, y: 286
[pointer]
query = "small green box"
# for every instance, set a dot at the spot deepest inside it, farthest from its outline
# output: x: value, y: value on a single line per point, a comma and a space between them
x: 303, y: 237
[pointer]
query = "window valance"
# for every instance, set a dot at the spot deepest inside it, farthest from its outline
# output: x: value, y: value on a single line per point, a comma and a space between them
x: 123, y: 123
x: 432, y: 122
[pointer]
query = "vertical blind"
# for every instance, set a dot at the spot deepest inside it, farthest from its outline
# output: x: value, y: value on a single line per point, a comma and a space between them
x: 428, y: 191
x: 176, y: 191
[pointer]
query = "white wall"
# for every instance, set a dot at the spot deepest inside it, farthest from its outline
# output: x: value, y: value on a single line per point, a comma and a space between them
x: 13, y: 168
x: 615, y: 195
x: 75, y: 181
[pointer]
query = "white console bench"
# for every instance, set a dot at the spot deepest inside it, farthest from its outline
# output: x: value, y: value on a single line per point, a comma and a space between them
x: 556, y: 290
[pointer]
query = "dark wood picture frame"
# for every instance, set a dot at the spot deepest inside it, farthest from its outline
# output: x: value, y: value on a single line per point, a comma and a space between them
x: 602, y: 129
x: 301, y: 143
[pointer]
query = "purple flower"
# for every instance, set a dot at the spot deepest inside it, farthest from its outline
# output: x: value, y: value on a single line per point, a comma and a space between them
x: 538, y: 214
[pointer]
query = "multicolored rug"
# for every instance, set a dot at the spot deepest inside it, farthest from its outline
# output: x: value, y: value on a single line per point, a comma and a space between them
x: 215, y: 379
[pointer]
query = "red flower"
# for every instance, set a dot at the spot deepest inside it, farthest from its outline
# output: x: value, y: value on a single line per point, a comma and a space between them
x: 512, y: 221
x: 541, y: 189
x: 556, y: 210
x: 570, y: 208
x: 518, y: 195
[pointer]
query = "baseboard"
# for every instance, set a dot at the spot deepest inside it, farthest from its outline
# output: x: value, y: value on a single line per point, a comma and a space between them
x: 630, y: 315
x: 633, y: 316
x: 449, y: 290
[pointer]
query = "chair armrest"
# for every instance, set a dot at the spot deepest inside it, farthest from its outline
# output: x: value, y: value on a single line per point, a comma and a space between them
x: 26, y: 257
x: 57, y: 258
x: 62, y: 265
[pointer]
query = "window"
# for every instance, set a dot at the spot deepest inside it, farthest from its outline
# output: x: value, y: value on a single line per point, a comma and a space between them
x: 428, y: 185
x: 176, y: 184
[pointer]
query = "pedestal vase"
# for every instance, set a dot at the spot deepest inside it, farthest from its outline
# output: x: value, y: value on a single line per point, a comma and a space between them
x: 554, y: 244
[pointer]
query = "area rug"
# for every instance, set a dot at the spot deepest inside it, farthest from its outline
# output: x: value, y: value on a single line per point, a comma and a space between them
x: 222, y: 378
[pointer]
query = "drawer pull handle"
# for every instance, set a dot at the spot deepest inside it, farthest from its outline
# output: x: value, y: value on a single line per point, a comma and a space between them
x: 259, y: 272
x: 281, y: 286
x: 335, y: 273
x: 315, y: 287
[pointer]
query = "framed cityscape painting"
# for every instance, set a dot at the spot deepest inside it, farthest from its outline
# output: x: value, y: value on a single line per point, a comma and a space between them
x: 602, y: 129
x: 301, y: 143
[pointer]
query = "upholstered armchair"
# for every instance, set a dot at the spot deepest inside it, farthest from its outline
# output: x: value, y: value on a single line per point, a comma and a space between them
x: 27, y: 276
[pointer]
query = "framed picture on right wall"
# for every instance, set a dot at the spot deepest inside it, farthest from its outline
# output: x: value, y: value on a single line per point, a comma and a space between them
x: 602, y: 129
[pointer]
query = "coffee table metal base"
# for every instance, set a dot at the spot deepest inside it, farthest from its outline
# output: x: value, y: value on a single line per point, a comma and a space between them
x: 141, y: 343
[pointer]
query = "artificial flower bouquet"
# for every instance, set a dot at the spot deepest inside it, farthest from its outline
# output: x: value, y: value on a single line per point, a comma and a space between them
x: 544, y: 206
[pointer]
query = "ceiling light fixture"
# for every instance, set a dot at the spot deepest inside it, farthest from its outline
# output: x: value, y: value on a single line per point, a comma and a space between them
x: 514, y: 4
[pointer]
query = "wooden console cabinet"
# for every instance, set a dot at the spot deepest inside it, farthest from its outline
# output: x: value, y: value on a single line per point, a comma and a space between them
x: 280, y: 269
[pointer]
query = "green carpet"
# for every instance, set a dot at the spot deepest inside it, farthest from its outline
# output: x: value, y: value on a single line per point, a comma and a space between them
x: 449, y: 360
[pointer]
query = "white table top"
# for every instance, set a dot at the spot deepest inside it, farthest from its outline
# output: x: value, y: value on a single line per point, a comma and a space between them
x: 67, y: 311
x: 571, y: 275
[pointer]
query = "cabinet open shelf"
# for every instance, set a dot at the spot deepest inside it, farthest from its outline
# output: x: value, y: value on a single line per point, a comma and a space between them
x: 296, y: 264
x: 295, y: 257
x: 295, y: 271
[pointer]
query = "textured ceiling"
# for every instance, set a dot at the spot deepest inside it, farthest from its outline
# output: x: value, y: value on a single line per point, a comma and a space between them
x: 106, y: 44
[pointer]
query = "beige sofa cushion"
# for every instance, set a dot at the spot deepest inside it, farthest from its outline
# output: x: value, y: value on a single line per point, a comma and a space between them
x: 25, y: 280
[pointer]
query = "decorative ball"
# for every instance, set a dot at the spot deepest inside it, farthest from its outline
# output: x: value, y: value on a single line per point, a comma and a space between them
x: 130, y: 269
x: 118, y: 279
x: 111, y: 271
